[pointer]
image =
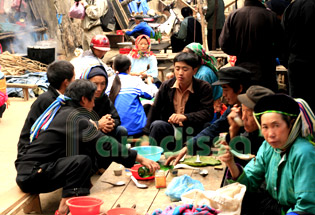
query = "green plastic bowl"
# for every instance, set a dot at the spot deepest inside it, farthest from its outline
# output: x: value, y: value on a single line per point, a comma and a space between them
x: 151, y: 152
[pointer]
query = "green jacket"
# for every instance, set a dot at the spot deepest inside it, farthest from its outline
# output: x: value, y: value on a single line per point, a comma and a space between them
x: 210, y: 14
x: 289, y: 178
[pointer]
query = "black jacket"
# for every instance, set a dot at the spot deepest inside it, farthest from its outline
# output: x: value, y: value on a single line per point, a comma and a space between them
x: 198, y: 109
x: 38, y: 107
x: 252, y: 34
x: 70, y: 127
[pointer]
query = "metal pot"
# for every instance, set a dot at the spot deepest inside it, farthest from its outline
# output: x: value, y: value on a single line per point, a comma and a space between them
x: 42, y: 54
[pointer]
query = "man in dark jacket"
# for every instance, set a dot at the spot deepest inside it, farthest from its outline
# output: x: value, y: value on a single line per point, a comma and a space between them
x: 183, y: 102
x: 252, y: 34
x: 109, y: 121
x: 299, y: 22
x: 64, y: 147
x: 59, y: 74
x: 234, y: 81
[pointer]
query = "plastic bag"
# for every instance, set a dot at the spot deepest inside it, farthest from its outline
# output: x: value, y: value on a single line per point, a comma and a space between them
x: 181, y: 185
x: 77, y: 11
x: 227, y: 199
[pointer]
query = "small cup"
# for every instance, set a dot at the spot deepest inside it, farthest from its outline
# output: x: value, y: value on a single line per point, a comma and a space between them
x: 118, y: 172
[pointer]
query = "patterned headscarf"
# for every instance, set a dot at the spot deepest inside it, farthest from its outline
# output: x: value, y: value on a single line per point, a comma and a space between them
x: 206, y: 59
x: 305, y: 119
x: 136, y: 53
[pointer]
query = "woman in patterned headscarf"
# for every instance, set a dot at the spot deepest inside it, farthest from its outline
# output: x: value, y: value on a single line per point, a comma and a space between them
x: 207, y: 72
x: 285, y: 160
x: 143, y: 61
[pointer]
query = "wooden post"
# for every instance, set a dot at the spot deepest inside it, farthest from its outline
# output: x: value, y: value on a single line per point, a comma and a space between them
x: 214, y: 29
x: 204, y: 39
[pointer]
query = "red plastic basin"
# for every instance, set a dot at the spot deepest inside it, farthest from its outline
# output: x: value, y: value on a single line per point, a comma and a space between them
x: 84, y: 205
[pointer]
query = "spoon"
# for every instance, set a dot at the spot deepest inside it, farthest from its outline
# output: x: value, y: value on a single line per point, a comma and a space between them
x: 141, y: 186
x: 119, y: 183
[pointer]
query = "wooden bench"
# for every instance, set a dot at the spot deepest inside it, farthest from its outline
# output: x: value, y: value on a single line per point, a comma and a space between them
x: 24, y: 87
x: 14, y: 200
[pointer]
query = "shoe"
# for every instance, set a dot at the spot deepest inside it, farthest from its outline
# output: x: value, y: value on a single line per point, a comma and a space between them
x: 57, y: 213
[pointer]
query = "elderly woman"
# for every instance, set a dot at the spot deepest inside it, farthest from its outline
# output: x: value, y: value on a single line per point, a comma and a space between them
x: 285, y: 160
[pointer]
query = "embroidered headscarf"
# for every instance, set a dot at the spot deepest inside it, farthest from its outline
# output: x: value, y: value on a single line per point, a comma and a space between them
x: 136, y: 53
x: 44, y: 120
x: 206, y: 59
x: 285, y: 105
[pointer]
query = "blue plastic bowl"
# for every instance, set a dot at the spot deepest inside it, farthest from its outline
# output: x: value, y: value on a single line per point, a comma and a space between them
x: 150, y: 152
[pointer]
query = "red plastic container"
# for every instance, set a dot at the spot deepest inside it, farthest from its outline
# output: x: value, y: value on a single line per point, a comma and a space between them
x: 124, y: 50
x: 119, y: 32
x: 121, y: 211
x: 84, y: 205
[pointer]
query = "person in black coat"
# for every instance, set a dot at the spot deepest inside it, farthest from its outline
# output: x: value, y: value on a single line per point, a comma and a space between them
x: 109, y: 121
x: 59, y: 74
x: 298, y: 22
x: 184, y: 102
x: 64, y: 148
x: 252, y: 34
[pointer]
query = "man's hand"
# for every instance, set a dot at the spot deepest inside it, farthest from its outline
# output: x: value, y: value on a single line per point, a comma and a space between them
x: 177, y: 119
x: 181, y: 154
x: 150, y: 164
x: 234, y: 126
x: 106, y: 123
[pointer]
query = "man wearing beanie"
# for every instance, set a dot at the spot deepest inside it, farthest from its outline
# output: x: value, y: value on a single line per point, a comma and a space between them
x: 109, y: 121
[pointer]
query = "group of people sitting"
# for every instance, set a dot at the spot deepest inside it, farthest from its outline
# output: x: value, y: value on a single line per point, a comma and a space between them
x: 77, y: 126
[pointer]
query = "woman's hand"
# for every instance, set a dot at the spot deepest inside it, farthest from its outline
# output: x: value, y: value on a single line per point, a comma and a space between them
x: 181, y: 154
x: 150, y: 164
x: 227, y: 156
x: 228, y: 159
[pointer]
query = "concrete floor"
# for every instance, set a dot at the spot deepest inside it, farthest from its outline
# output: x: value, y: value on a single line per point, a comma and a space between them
x: 10, y: 128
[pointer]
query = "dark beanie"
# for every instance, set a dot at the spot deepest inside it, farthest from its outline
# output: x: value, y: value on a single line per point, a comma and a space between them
x: 281, y: 103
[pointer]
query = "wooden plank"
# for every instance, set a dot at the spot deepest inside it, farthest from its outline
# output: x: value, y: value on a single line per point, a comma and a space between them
x: 120, y: 15
x: 143, y: 198
x: 14, y: 200
x: 16, y: 85
x: 106, y: 191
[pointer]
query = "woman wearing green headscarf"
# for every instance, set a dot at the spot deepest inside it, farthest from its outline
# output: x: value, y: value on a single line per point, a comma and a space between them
x: 285, y: 160
x: 207, y: 70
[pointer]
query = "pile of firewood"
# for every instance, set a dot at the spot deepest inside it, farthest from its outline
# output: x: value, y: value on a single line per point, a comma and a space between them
x: 17, y: 65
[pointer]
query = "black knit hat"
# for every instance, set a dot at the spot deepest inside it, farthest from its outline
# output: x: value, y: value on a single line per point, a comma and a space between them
x: 279, y: 103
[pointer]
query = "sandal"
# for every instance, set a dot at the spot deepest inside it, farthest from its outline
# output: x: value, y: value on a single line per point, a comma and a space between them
x: 57, y: 213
